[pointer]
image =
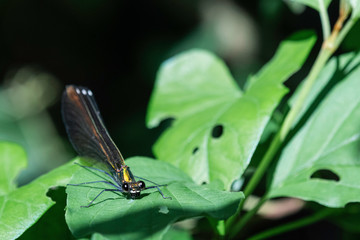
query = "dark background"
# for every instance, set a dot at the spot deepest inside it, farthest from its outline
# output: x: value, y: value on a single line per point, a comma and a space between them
x: 115, y: 48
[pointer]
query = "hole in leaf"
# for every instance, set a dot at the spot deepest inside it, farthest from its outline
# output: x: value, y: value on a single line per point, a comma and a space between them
x: 217, y: 131
x: 161, y: 126
x: 325, y: 174
x: 167, y: 121
x: 195, y: 150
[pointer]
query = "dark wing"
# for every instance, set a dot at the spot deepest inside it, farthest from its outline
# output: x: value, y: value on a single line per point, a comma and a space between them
x: 85, y: 127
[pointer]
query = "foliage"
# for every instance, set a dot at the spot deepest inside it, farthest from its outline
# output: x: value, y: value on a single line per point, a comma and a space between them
x: 197, y: 90
x: 151, y: 214
x: 22, y: 207
x: 215, y: 131
x: 330, y: 143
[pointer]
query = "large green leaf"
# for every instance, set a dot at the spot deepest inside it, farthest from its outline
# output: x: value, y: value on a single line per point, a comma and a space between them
x: 328, y: 141
x: 117, y: 217
x: 22, y: 207
x: 198, y: 91
x: 315, y: 4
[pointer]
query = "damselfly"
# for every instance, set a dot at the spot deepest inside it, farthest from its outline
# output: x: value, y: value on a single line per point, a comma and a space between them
x: 89, y: 137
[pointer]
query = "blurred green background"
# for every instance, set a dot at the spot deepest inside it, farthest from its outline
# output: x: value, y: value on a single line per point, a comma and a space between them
x: 115, y: 48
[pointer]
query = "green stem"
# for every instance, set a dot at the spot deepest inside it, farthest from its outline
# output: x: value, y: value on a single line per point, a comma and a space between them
x: 285, y: 128
x: 320, y: 62
x: 324, y: 54
x: 296, y: 224
x: 240, y: 224
x: 346, y: 29
x: 329, y: 47
x: 324, y: 17
x: 218, y: 227
x: 256, y: 178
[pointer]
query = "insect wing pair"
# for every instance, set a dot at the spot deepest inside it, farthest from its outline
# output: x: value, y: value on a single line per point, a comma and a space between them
x: 89, y: 137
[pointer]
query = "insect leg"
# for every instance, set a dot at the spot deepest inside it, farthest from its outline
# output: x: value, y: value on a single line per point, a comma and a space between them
x: 159, y: 185
x: 107, y: 182
x: 104, y: 190
x: 96, y: 169
x: 159, y: 191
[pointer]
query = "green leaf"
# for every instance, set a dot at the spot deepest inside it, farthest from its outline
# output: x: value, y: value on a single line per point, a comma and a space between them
x: 198, y: 91
x: 117, y: 217
x: 22, y: 207
x: 13, y: 160
x: 314, y: 3
x: 52, y: 223
x: 334, y: 70
x: 328, y: 141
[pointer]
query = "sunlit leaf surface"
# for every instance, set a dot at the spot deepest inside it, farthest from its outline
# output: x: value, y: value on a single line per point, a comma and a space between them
x: 116, y: 217
x: 322, y: 161
x: 217, y: 126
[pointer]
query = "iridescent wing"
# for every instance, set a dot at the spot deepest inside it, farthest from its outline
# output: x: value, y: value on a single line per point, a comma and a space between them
x: 86, y: 129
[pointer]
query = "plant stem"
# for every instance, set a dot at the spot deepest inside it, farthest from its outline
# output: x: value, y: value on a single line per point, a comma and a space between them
x: 328, y: 48
x: 348, y: 26
x: 296, y: 224
x: 324, y: 19
x: 240, y: 224
x: 320, y: 62
x: 282, y: 133
x: 218, y: 226
x: 256, y: 177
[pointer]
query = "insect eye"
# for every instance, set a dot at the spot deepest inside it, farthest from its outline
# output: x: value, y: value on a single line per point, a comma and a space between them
x: 141, y: 184
x: 125, y: 187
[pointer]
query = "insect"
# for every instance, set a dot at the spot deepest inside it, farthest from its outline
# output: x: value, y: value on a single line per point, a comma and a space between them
x: 89, y: 137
